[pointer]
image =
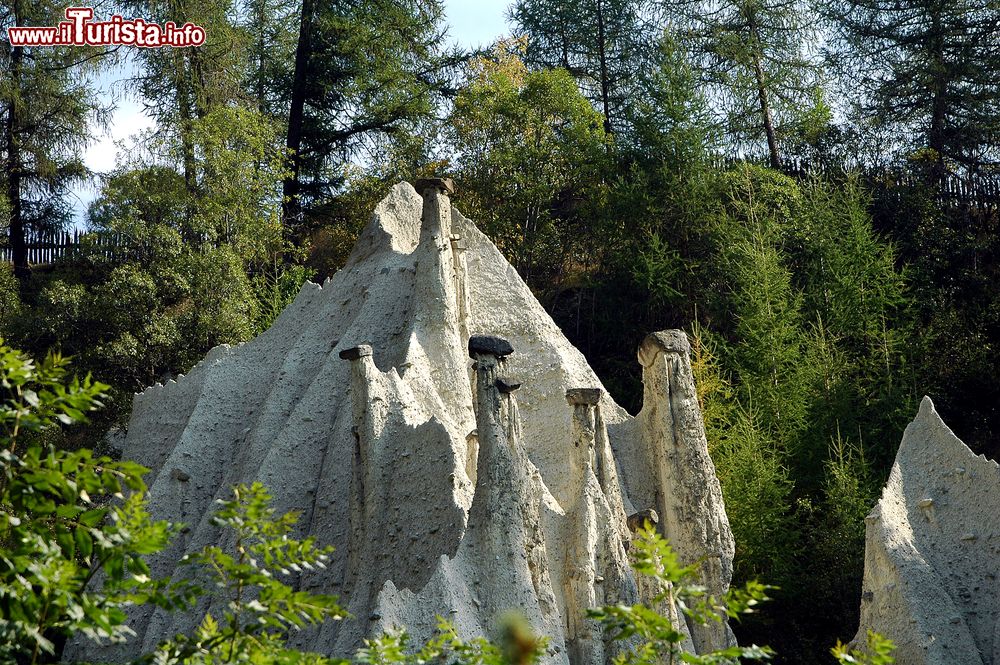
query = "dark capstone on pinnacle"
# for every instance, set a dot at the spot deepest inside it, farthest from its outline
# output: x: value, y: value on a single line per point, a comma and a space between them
x: 446, y: 185
x: 356, y: 352
x: 675, y: 341
x: 485, y: 345
x: 589, y: 396
x: 638, y: 520
x: 507, y: 385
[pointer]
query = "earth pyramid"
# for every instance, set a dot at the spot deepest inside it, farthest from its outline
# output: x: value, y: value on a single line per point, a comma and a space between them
x: 931, y: 551
x: 427, y: 417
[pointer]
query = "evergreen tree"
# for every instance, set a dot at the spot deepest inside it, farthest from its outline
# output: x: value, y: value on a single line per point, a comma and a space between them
x: 183, y: 85
x: 671, y: 117
x: 45, y: 105
x: 604, y: 44
x: 363, y: 69
x: 755, y: 57
x: 927, y: 71
x: 271, y: 38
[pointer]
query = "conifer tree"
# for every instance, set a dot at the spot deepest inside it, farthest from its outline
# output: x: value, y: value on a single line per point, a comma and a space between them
x: 363, y: 70
x: 183, y: 85
x: 604, y: 44
x: 927, y: 71
x: 755, y: 57
x: 45, y: 104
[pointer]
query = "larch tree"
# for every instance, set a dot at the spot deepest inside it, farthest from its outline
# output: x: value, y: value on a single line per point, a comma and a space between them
x: 182, y: 85
x: 757, y: 59
x: 926, y: 70
x: 603, y: 44
x: 46, y: 102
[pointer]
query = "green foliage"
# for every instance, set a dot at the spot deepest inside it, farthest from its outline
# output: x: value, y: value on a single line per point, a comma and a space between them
x: 671, y: 118
x: 261, y: 609
x: 194, y: 267
x: 769, y: 344
x: 274, y: 288
x: 47, y: 102
x: 529, y: 148
x: 517, y: 645
x: 758, y: 490
x: 375, y: 74
x: 604, y: 45
x: 137, y: 321
x: 921, y: 71
x: 10, y: 299
x: 659, y: 637
x: 879, y: 652
x: 238, y: 199
x: 74, y: 532
x: 754, y: 56
x: 657, y: 268
x: 36, y: 396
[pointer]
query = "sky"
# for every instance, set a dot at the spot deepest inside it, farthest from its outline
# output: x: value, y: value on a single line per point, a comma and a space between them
x: 470, y: 23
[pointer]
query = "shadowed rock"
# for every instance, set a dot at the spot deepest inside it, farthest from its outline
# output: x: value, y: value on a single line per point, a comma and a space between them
x: 446, y: 488
x: 486, y: 345
x: 931, y: 544
x: 507, y: 385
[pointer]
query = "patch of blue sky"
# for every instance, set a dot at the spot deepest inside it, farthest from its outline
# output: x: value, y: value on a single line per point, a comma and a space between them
x: 471, y: 24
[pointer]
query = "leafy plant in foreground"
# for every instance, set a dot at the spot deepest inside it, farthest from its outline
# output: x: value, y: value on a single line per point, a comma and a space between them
x: 73, y: 527
x: 261, y: 608
x: 659, y: 638
x: 517, y: 645
x: 879, y: 652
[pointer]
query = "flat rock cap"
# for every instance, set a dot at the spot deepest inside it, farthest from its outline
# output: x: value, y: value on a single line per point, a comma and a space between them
x: 584, y: 395
x: 486, y: 345
x: 507, y: 385
x: 446, y: 185
x: 638, y: 520
x: 667, y: 341
x: 355, y: 352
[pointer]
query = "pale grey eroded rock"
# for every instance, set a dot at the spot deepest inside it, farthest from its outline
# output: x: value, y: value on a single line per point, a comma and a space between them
x: 932, y: 552
x: 450, y: 486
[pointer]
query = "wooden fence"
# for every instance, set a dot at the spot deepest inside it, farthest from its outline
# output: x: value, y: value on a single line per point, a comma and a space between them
x: 46, y: 247
x: 980, y: 191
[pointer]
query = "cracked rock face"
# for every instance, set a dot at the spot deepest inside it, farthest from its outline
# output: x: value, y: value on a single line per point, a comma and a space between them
x: 932, y: 544
x: 427, y: 418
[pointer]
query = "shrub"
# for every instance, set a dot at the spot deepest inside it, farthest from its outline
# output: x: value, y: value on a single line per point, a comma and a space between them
x: 67, y: 520
x: 659, y: 638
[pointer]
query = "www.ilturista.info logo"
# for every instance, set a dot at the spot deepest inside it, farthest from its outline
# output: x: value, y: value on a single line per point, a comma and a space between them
x: 81, y: 30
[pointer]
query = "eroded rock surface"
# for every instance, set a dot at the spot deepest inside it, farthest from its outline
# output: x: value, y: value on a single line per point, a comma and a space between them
x: 427, y: 418
x: 932, y: 551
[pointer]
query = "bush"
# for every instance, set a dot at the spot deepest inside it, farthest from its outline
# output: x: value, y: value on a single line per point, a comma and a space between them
x: 73, y: 527
x: 659, y: 637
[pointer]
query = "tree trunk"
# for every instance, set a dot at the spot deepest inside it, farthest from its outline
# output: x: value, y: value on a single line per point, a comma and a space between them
x: 15, y: 171
x: 260, y: 90
x: 186, y: 117
x: 602, y: 54
x: 291, y: 187
x: 939, y: 104
x: 765, y: 101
